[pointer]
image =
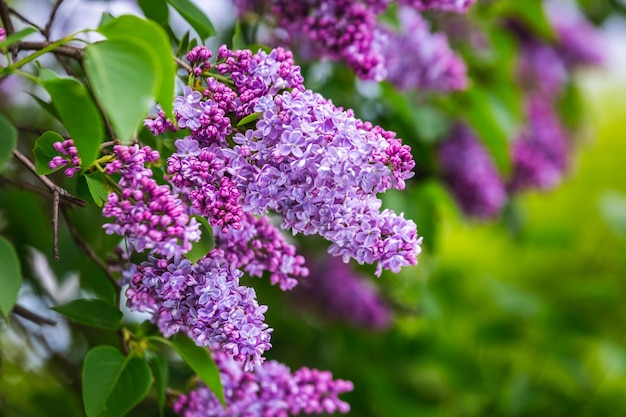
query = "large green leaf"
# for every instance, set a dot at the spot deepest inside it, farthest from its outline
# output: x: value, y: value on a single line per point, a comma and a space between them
x: 95, y: 313
x: 155, y: 10
x: 199, y: 359
x: 79, y: 115
x: 97, y: 189
x: 8, y: 142
x: 113, y: 384
x: 123, y: 74
x: 155, y: 39
x: 44, y: 152
x: 195, y: 17
x: 10, y: 276
x: 485, y: 113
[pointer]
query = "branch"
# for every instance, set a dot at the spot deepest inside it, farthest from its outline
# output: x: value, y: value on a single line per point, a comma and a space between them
x: 8, y: 25
x: 183, y: 64
x: 84, y: 246
x: 53, y: 13
x: 63, y: 193
x: 25, y: 313
x: 66, y: 50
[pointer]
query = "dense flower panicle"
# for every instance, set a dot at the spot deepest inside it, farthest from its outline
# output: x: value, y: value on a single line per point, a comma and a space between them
x: 272, y: 390
x: 417, y: 58
x: 203, y: 301
x: 148, y: 215
x: 320, y: 169
x: 335, y: 289
x: 470, y: 174
x: 540, y: 152
x: 160, y: 123
x: 70, y: 157
x: 259, y: 247
x: 349, y: 30
x: 198, y: 174
x: 541, y: 68
x: 458, y: 6
x: 578, y: 41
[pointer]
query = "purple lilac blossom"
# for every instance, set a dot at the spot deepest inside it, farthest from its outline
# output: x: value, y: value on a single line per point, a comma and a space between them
x: 417, y: 58
x: 470, y: 174
x: 320, y: 168
x: 458, y: 6
x: 2, y: 34
x: 578, y: 41
x: 349, y: 30
x: 70, y: 157
x: 339, y: 292
x: 272, y: 390
x: 259, y: 247
x: 540, y: 152
x: 203, y: 301
x: 148, y: 215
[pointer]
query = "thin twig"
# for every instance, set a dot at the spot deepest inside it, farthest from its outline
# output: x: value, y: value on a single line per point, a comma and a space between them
x: 183, y: 64
x: 53, y: 13
x: 33, y: 317
x: 84, y: 246
x: 63, y: 193
x: 36, y: 131
x: 24, y: 19
x: 66, y: 50
x: 55, y: 225
x: 25, y: 186
x: 8, y: 25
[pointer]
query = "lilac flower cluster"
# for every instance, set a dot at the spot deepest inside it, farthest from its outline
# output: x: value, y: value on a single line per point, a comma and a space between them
x: 70, y: 157
x: 415, y: 57
x: 540, y: 152
x: 470, y: 174
x: 203, y: 301
x: 259, y: 247
x: 2, y: 34
x: 458, y: 6
x: 320, y: 168
x: 343, y: 294
x: 271, y: 391
x: 148, y: 215
x: 350, y: 30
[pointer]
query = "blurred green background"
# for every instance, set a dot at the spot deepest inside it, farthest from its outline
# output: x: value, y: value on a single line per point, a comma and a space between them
x: 524, y: 317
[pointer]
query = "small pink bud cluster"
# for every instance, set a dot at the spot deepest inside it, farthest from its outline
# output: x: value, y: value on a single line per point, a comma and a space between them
x: 70, y: 157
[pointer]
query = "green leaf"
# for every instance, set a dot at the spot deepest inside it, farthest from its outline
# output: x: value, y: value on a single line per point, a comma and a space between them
x: 195, y: 17
x: 205, y: 244
x: 10, y: 276
x: 44, y: 152
x: 8, y: 133
x: 97, y: 189
x: 106, y: 18
x: 17, y: 36
x: 160, y: 373
x: 239, y: 39
x: 248, y: 119
x: 79, y: 115
x: 95, y: 313
x: 154, y: 39
x: 45, y: 74
x: 484, y: 113
x: 183, y: 45
x: 123, y: 76
x: 199, y: 359
x: 113, y: 384
x: 155, y: 10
